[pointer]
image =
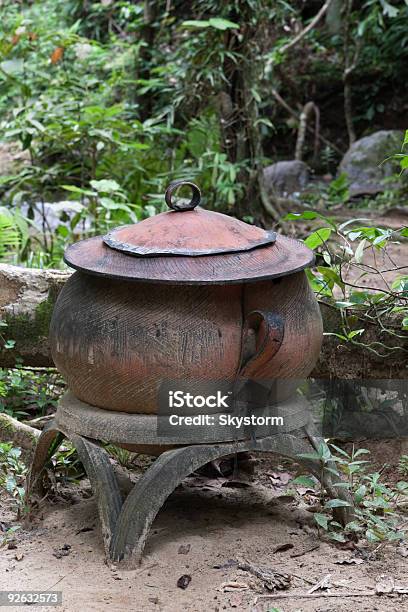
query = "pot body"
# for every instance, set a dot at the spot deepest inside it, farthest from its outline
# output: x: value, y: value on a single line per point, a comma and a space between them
x: 116, y: 341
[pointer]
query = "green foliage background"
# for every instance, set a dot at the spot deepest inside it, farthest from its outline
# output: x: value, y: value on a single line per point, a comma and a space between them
x: 112, y: 99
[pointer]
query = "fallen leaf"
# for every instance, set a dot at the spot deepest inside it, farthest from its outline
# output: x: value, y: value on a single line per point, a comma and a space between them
x: 12, y: 545
x: 57, y: 55
x: 402, y: 551
x: 350, y: 561
x: 272, y: 579
x: 304, y: 490
x: 384, y: 584
x: 228, y: 587
x: 322, y: 585
x: 283, y: 547
x: 184, y: 581
x: 184, y: 549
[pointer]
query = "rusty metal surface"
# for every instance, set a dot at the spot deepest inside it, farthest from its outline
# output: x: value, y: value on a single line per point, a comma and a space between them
x: 181, y: 206
x: 283, y: 257
x: 190, y: 233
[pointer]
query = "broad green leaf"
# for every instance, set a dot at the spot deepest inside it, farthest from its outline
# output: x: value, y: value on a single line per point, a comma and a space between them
x: 191, y: 23
x: 388, y: 9
x: 223, y: 24
x: 12, y: 66
x: 361, y: 451
x: 304, y: 481
x: 336, y: 503
x: 360, y: 493
x: 322, y: 520
x: 338, y: 537
x: 75, y: 189
x: 353, y: 526
x: 340, y: 450
x: 318, y: 238
x: 371, y: 536
x: 354, y: 333
x: 358, y: 255
x: 106, y: 186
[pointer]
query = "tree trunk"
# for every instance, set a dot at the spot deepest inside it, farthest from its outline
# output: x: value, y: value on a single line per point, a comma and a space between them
x: 349, y: 67
x: 27, y: 298
x: 20, y: 434
x: 240, y: 124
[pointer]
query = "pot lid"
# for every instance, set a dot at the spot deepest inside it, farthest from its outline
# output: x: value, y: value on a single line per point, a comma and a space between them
x: 189, y: 245
x: 187, y: 230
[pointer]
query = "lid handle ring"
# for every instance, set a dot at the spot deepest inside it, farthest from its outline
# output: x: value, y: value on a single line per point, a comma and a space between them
x: 182, y: 206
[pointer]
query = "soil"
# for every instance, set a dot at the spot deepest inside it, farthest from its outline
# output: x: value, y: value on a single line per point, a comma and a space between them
x: 202, y: 530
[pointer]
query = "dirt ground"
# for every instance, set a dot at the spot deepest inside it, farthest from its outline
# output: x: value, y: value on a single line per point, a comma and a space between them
x: 202, y: 530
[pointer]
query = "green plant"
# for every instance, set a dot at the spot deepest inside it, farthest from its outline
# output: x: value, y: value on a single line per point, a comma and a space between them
x: 338, y: 190
x: 402, y: 157
x: 12, y: 471
x: 403, y: 465
x: 121, y: 455
x: 25, y: 392
x: 342, y: 263
x: 13, y: 235
x: 376, y: 505
x: 7, y: 536
x: 67, y: 466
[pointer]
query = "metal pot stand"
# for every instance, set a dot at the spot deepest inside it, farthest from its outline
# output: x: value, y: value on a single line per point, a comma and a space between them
x: 126, y: 523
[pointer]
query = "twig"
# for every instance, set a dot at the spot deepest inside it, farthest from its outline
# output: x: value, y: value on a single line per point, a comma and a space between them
x: 311, y: 548
x: 316, y: 595
x: 292, y: 112
x: 309, y: 27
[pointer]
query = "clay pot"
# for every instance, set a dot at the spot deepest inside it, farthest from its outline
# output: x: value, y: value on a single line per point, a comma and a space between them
x: 238, y: 304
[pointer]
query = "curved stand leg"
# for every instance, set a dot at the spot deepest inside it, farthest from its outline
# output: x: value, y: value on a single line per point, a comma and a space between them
x: 125, y: 526
x: 97, y: 466
x: 104, y: 484
x: 169, y: 470
x: 152, y: 490
x: 48, y: 442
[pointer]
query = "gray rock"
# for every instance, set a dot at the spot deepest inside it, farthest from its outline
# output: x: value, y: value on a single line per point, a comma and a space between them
x: 54, y: 212
x: 363, y: 162
x: 286, y: 177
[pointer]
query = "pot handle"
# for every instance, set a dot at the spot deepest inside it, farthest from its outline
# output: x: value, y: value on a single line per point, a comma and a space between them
x: 180, y: 207
x: 262, y: 338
